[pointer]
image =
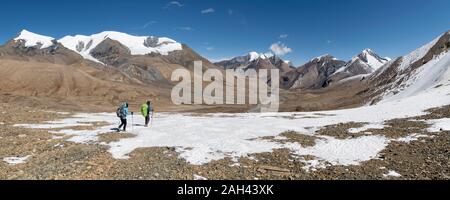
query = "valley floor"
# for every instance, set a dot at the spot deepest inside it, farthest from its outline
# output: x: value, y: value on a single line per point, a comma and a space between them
x: 320, y: 145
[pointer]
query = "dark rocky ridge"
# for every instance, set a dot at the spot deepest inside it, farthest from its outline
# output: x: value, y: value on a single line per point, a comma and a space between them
x: 314, y: 74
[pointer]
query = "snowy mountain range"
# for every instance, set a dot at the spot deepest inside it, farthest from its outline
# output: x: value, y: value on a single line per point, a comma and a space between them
x: 318, y: 72
x: 149, y: 61
x: 137, y: 45
x: 99, y: 47
x: 254, y: 60
x: 142, y: 59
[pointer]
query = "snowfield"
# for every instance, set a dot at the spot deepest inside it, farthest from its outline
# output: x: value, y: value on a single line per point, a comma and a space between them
x: 202, y: 139
x: 205, y: 138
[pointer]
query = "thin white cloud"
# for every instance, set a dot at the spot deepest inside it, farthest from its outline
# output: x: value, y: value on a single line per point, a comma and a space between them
x: 210, y: 48
x: 280, y: 49
x: 173, y: 4
x: 149, y: 23
x: 144, y: 26
x: 208, y: 10
x: 230, y: 12
x: 186, y: 28
x: 283, y: 36
x: 214, y: 60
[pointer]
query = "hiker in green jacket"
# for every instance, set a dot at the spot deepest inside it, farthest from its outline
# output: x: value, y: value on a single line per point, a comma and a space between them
x: 146, y: 109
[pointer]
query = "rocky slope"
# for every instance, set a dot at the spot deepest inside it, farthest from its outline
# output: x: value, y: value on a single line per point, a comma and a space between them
x: 314, y: 74
x: 412, y: 73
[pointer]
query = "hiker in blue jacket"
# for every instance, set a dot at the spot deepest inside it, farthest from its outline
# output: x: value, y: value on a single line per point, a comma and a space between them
x: 122, y: 113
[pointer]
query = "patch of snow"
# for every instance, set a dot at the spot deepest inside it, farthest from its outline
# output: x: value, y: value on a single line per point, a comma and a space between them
x: 383, y: 68
x: 33, y: 39
x: 51, y: 125
x: 366, y: 127
x: 235, y: 165
x: 342, y: 69
x: 410, y: 138
x: 346, y: 151
x: 59, y: 145
x: 439, y: 125
x: 198, y: 177
x: 136, y: 44
x: 57, y: 137
x: 16, y: 160
x: 392, y: 173
x: 253, y: 56
x: 267, y: 55
x: 60, y: 113
x: 81, y: 136
x: 374, y: 62
x: 313, y: 165
x: 356, y: 77
x: 63, y: 113
x: 316, y: 59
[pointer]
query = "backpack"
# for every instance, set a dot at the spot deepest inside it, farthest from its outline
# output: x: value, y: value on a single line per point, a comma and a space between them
x: 119, y: 112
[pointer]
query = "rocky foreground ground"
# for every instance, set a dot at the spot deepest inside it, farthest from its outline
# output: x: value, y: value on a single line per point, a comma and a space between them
x: 52, y: 157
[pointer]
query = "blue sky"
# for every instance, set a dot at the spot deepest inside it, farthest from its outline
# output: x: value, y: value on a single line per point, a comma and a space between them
x: 226, y: 28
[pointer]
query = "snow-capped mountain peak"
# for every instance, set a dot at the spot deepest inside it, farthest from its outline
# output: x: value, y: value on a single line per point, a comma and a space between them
x: 323, y: 58
x: 253, y: 60
x: 370, y: 58
x: 367, y: 51
x: 253, y: 55
x: 365, y: 62
x: 138, y: 45
x: 33, y: 39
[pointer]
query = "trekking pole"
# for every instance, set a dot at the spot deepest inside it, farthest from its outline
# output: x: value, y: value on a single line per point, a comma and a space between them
x: 151, y: 120
x: 132, y: 122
